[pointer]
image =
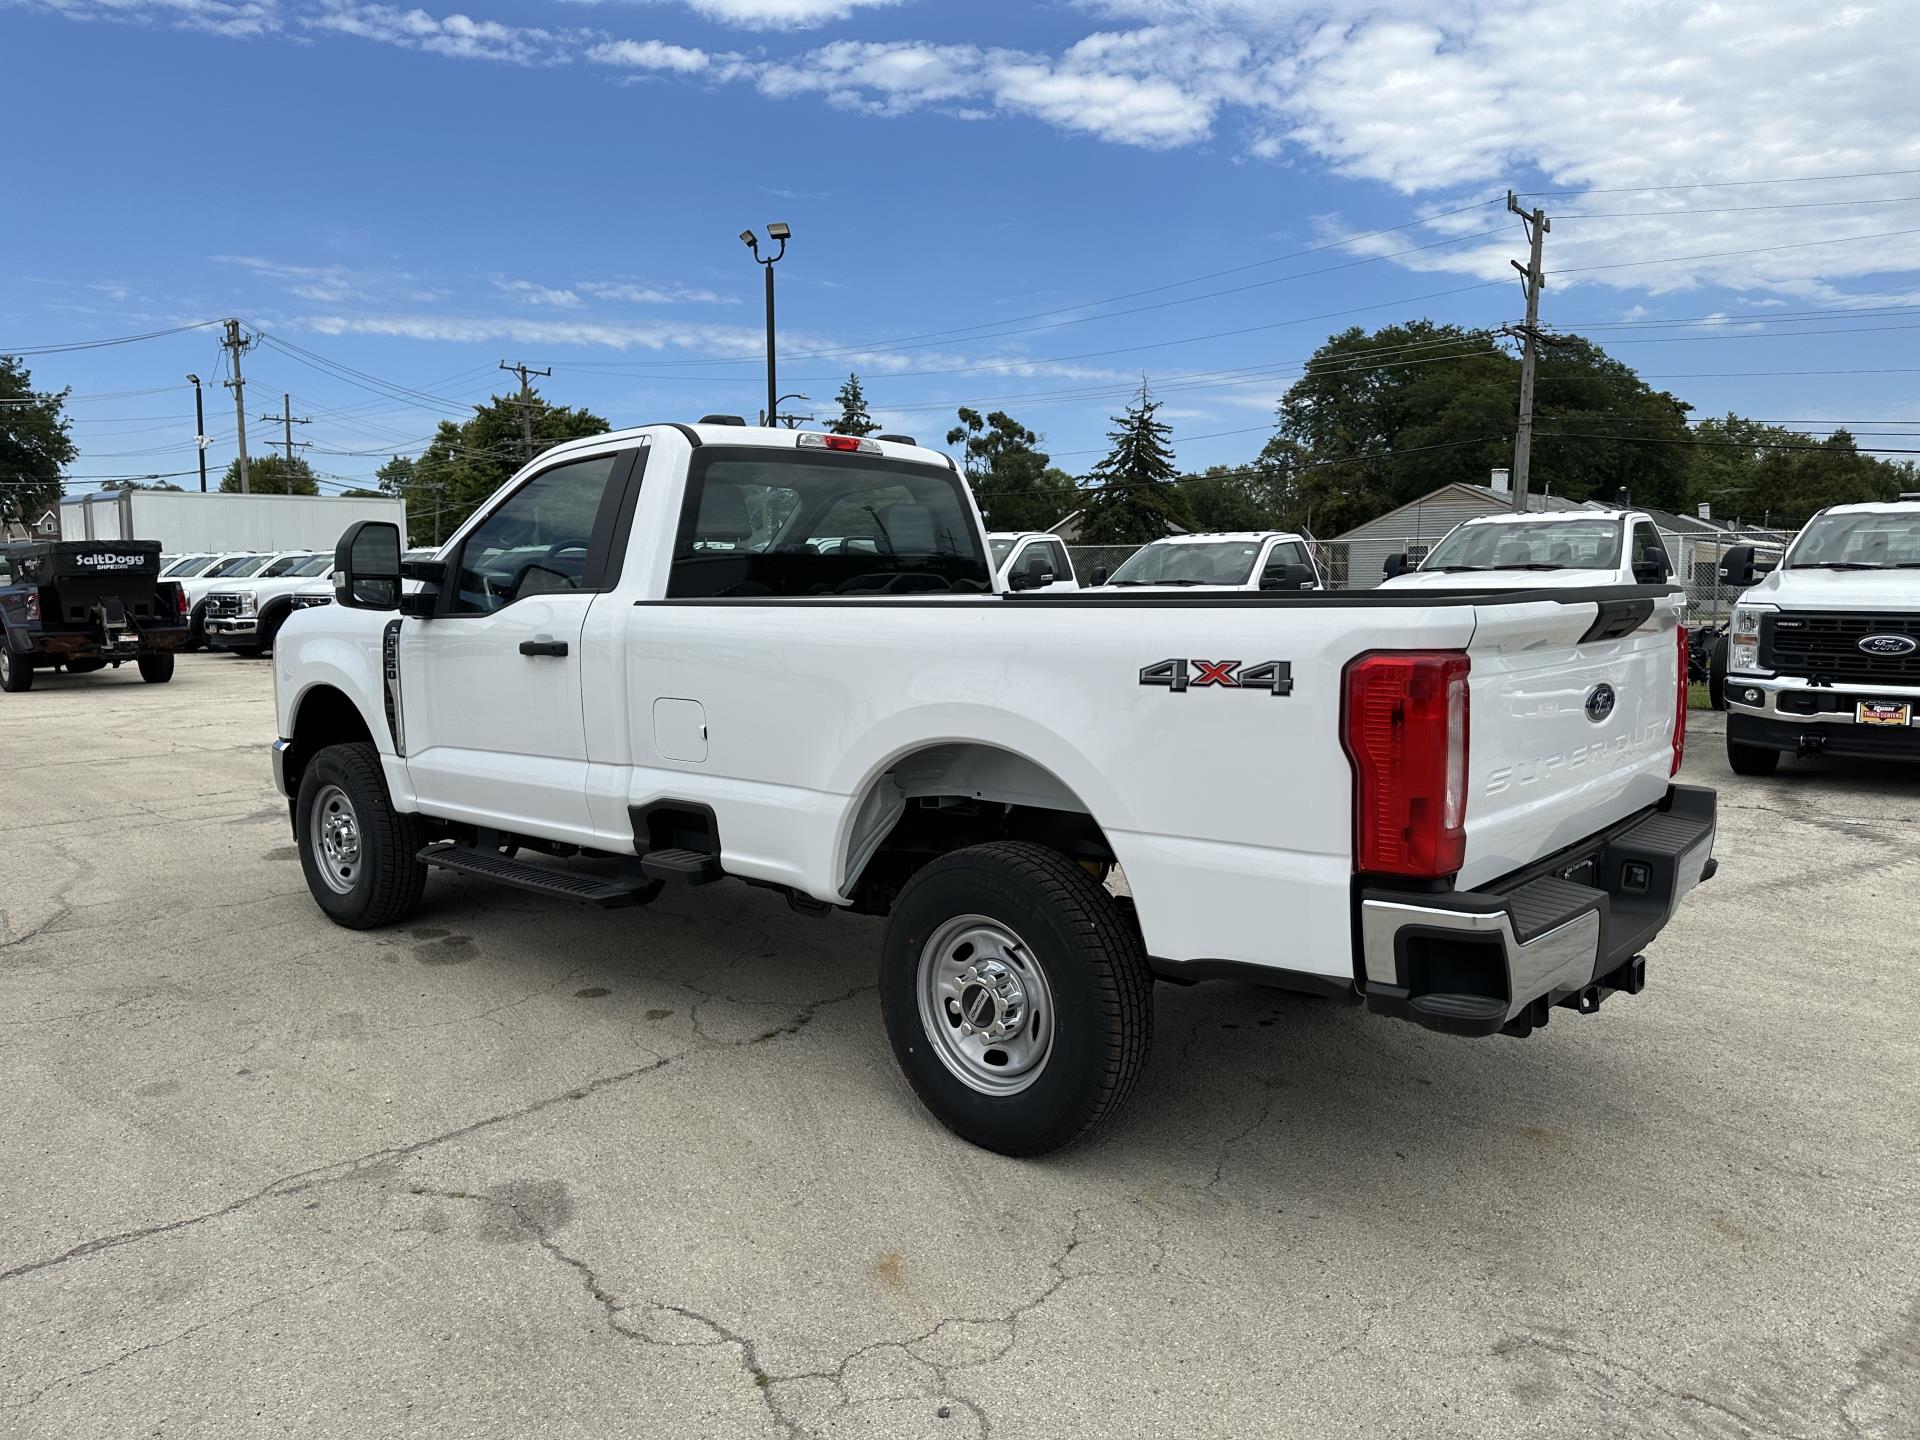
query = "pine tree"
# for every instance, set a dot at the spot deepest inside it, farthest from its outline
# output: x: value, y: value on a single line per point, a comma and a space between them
x: 854, y: 419
x: 1136, y: 499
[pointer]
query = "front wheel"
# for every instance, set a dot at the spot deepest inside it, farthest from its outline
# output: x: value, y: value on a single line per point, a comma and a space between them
x: 1016, y: 995
x: 1717, y: 673
x: 16, y: 671
x: 1752, y: 759
x: 157, y: 668
x: 356, y: 849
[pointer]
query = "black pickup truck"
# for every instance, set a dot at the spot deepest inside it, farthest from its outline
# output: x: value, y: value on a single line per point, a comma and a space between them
x: 82, y: 605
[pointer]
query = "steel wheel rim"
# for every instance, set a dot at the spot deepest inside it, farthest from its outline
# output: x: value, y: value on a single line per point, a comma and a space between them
x: 6, y: 664
x: 334, y: 830
x: 985, y: 1005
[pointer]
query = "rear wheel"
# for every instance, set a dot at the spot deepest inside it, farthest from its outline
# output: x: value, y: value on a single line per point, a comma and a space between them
x: 197, y: 628
x: 16, y: 671
x: 356, y: 849
x: 157, y: 667
x: 1016, y: 995
x: 1752, y: 759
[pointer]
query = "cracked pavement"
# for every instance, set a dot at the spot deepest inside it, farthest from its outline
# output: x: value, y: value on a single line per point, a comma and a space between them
x: 517, y: 1167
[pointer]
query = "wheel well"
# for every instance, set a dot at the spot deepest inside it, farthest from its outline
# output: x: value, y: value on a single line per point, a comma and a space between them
x: 325, y: 717
x: 948, y: 797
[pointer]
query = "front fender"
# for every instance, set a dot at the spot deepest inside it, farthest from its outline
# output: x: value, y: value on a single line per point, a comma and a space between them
x: 330, y: 648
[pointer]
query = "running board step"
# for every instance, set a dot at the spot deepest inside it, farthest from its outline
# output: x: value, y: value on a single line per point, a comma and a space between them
x: 609, y: 894
x: 696, y: 867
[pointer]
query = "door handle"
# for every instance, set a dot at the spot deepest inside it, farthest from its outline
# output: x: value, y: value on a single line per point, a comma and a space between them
x: 543, y: 647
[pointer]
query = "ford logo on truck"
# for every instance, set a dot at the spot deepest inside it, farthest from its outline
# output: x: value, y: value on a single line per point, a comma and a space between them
x: 1889, y: 644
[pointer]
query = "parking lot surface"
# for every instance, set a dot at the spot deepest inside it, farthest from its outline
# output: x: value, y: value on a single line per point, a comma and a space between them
x: 520, y: 1169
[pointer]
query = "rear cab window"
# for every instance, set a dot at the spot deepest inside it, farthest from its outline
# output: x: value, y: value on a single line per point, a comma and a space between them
x: 766, y: 521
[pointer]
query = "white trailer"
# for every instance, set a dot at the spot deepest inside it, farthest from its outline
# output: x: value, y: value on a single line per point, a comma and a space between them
x: 187, y: 521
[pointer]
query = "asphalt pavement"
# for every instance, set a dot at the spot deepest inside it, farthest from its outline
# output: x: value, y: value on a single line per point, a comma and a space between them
x: 523, y: 1169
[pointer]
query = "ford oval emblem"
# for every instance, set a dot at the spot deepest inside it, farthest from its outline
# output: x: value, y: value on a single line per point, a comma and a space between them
x: 1889, y: 644
x: 1599, y: 703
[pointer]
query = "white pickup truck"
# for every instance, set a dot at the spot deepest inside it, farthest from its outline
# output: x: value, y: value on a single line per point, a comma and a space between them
x: 1823, y: 655
x: 1225, y: 560
x: 1541, y: 550
x: 636, y: 665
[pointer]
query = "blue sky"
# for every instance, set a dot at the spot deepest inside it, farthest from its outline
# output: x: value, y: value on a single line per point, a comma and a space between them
x: 411, y: 195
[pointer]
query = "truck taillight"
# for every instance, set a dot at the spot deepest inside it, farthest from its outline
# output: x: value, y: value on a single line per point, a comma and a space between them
x: 33, y: 605
x: 1404, y: 725
x: 180, y: 600
x: 1680, y: 703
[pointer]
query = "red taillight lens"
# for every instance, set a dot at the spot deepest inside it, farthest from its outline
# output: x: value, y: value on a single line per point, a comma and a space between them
x: 180, y: 600
x: 1680, y: 705
x: 1405, y: 729
x: 841, y: 442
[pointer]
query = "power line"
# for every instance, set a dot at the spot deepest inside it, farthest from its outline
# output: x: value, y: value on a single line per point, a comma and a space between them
x: 1724, y: 184
x: 101, y: 344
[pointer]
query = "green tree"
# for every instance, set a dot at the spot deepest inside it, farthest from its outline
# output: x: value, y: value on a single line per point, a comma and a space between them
x: 356, y: 493
x: 1015, y: 486
x: 1769, y: 474
x: 271, y: 475
x: 1382, y: 418
x: 1135, y: 498
x: 466, y: 463
x: 854, y: 419
x: 34, y: 446
x: 1232, y: 497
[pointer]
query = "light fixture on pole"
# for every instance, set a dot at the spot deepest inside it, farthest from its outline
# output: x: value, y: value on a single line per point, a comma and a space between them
x: 200, y: 430
x: 781, y: 232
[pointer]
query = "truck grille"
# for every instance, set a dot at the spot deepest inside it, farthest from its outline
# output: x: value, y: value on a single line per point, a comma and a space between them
x: 223, y: 605
x: 1808, y: 643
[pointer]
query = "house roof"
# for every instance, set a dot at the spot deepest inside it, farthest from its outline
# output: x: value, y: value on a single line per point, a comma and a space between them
x: 1459, y: 491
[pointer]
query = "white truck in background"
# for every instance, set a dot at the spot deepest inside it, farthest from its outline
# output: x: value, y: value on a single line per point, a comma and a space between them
x: 1541, y: 550
x: 650, y: 659
x: 1823, y: 654
x: 1269, y: 560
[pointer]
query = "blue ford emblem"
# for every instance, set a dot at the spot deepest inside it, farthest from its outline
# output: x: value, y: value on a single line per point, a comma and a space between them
x: 1599, y: 703
x: 1889, y: 644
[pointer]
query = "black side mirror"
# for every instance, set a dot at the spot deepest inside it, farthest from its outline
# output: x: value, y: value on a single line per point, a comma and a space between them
x: 1396, y: 565
x: 1736, y: 567
x: 366, y: 566
x: 1099, y: 574
x: 1036, y: 572
x: 1288, y: 577
x: 1651, y: 572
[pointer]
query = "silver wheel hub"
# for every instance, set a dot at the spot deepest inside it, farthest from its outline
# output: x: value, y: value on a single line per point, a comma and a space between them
x: 985, y: 1004
x: 335, y: 832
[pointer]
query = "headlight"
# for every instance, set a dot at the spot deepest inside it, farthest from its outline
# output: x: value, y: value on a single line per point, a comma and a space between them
x: 249, y: 603
x: 1743, y: 639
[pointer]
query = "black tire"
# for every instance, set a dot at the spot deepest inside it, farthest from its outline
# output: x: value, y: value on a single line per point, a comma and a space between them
x: 1096, y: 983
x: 386, y: 881
x: 197, y: 627
x: 156, y: 668
x: 1752, y: 759
x: 270, y: 624
x: 16, y: 671
x: 1717, y: 673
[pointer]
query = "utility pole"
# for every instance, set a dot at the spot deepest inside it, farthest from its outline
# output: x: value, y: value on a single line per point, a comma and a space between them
x: 526, y: 401
x: 1532, y: 279
x: 781, y: 232
x: 236, y: 344
x: 289, y: 419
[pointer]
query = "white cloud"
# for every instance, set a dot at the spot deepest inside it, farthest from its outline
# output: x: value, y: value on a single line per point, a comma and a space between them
x: 536, y: 294
x: 635, y: 294
x: 782, y: 14
x: 235, y: 19
x: 649, y: 55
x: 458, y: 36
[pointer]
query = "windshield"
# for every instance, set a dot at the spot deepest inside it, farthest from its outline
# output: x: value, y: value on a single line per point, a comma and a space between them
x: 1001, y: 549
x: 236, y: 565
x: 312, y: 565
x: 1547, y: 545
x: 187, y: 567
x: 760, y: 521
x: 1222, y: 562
x: 284, y: 566
x: 1864, y: 540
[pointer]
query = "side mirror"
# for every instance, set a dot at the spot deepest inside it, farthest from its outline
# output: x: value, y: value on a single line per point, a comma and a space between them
x: 1651, y: 572
x: 1288, y: 577
x: 1099, y: 575
x: 366, y: 566
x: 1396, y: 565
x: 1766, y: 566
x: 1737, y: 568
x: 1036, y: 572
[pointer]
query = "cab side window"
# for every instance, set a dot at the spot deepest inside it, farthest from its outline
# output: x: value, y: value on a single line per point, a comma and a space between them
x: 1649, y: 554
x: 1285, y: 555
x: 1062, y: 564
x: 539, y: 540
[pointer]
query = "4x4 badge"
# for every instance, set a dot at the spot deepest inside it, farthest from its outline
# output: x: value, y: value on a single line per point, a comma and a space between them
x: 1273, y: 676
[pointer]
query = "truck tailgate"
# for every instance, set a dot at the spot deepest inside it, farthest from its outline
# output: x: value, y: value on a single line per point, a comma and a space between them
x: 1572, y: 719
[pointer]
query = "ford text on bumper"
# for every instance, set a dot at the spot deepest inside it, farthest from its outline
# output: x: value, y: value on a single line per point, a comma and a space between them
x: 1565, y: 931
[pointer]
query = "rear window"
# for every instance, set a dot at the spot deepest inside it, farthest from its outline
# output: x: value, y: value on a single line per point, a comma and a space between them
x: 786, y: 523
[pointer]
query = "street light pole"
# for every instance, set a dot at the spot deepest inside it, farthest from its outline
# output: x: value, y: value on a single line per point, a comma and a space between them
x: 775, y: 231
x: 200, y: 431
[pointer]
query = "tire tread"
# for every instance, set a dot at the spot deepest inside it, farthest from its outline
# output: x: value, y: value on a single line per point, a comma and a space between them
x: 401, y: 880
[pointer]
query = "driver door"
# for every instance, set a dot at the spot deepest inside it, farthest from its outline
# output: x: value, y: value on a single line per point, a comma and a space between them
x: 491, y: 683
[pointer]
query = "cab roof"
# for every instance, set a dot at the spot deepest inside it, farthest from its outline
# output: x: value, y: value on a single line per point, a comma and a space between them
x: 738, y: 435
x: 1553, y: 517
x: 1229, y: 536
